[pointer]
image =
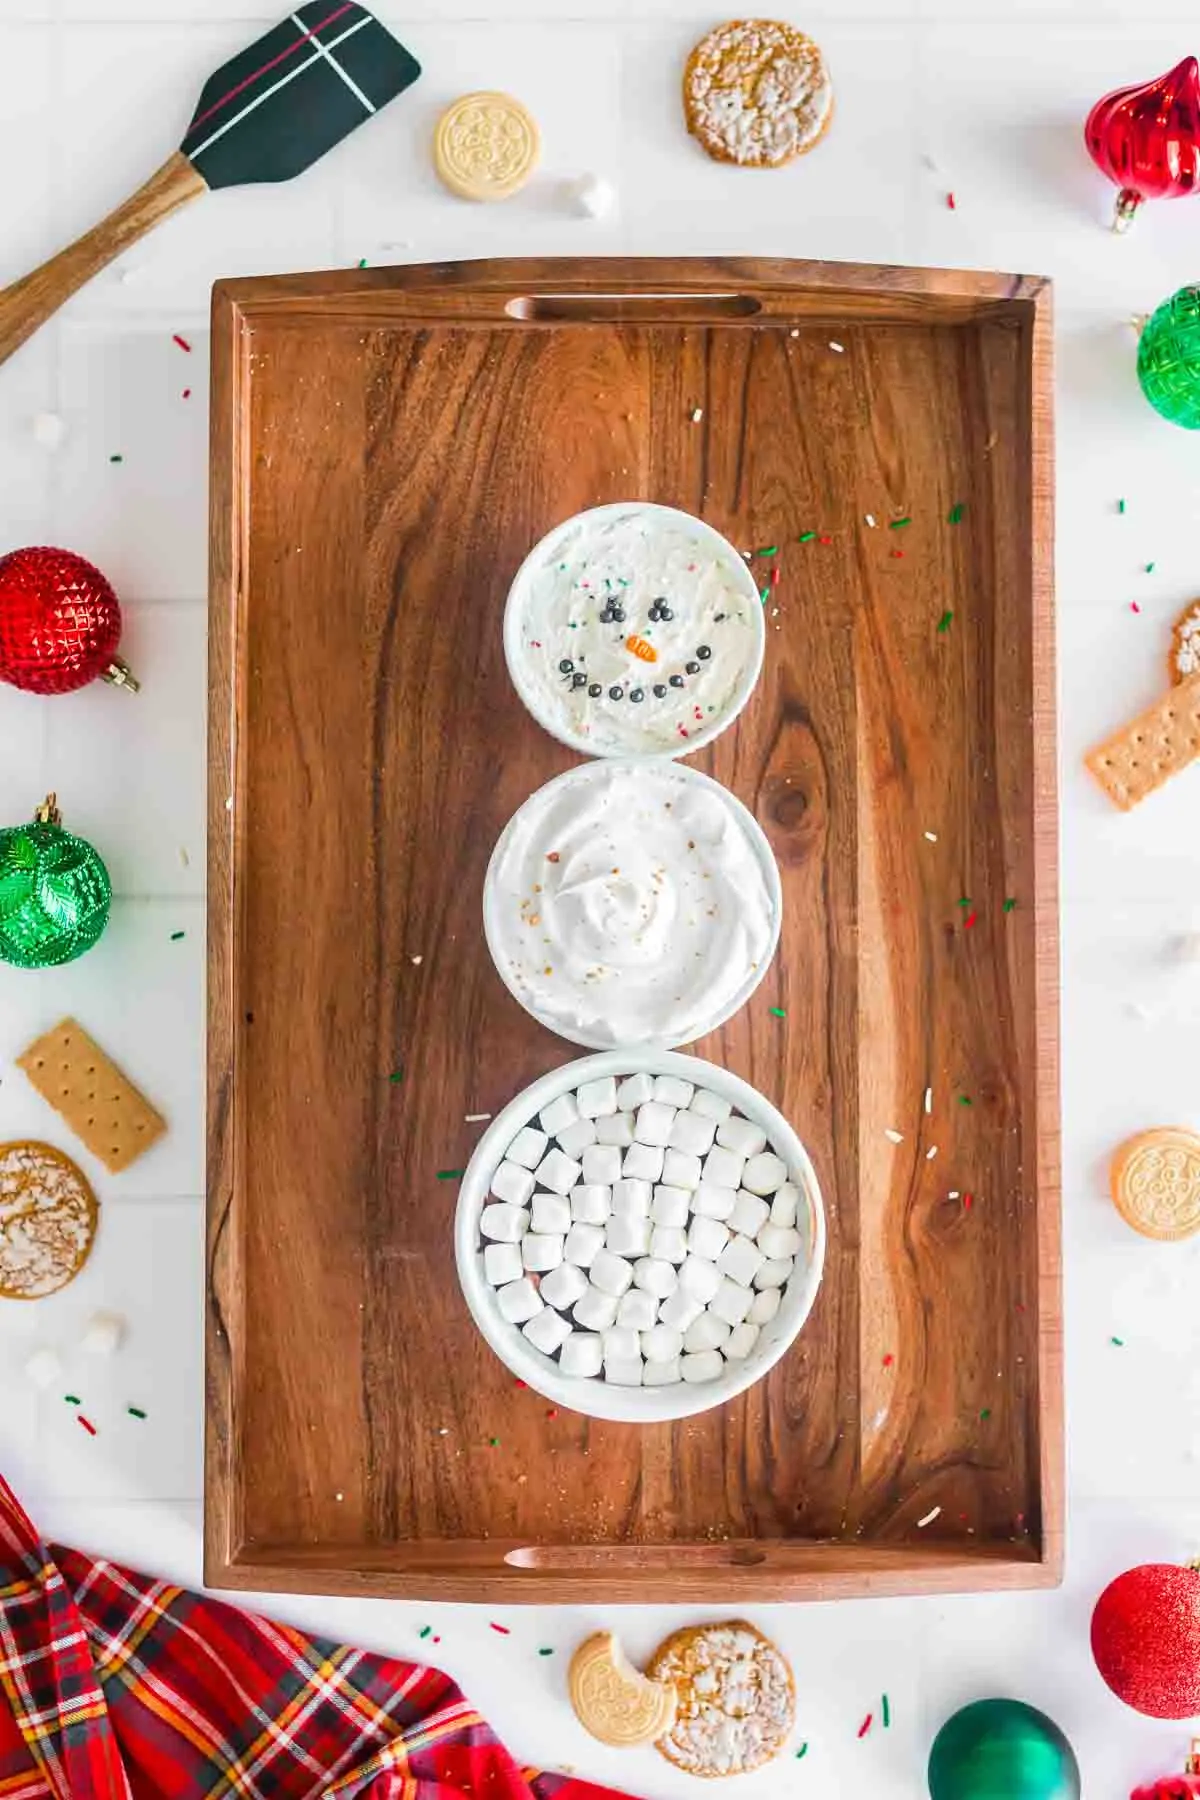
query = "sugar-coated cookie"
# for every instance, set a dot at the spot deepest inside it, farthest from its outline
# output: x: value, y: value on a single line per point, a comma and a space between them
x: 612, y: 1700
x: 47, y: 1220
x: 736, y: 1698
x: 757, y: 92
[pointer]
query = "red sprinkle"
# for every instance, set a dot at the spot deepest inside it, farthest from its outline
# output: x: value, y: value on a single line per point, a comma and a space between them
x: 825, y: 540
x: 897, y: 553
x: 87, y: 1425
x: 888, y: 1360
x: 518, y: 1382
x: 969, y: 920
x: 187, y: 393
x: 682, y: 732
x: 773, y: 578
x: 950, y: 201
x: 968, y: 1202
x: 552, y: 1412
x: 1134, y: 607
x: 502, y: 1629
x: 437, y: 1640
x: 866, y: 1725
x: 181, y: 341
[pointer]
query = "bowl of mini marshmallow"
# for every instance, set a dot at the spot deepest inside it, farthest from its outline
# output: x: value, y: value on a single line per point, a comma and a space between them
x: 640, y: 1235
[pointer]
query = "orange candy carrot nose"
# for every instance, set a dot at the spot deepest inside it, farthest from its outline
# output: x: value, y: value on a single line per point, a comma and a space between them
x: 639, y: 647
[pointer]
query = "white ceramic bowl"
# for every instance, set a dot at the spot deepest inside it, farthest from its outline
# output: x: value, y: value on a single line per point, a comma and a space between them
x: 532, y: 691
x: 499, y: 906
x: 597, y: 1398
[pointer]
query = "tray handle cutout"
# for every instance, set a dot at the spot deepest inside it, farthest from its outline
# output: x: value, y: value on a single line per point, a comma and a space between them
x: 631, y: 309
x: 571, y: 1559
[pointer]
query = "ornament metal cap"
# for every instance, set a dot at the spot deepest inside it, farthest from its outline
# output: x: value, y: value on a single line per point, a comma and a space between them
x: 47, y: 813
x: 119, y: 674
x: 1192, y: 1766
x: 1125, y: 209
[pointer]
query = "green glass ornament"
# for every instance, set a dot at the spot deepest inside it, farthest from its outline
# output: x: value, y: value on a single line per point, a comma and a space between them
x: 1002, y: 1750
x: 1168, y: 363
x: 54, y: 892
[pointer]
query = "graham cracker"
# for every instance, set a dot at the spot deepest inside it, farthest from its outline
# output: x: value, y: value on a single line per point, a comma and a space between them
x: 104, y: 1109
x: 1143, y: 755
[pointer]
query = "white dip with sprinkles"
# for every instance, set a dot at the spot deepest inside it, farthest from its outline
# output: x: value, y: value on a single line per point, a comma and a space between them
x: 628, y: 903
x: 634, y: 629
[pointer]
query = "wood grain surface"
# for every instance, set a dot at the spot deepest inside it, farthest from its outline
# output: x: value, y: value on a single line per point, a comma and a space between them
x: 388, y: 444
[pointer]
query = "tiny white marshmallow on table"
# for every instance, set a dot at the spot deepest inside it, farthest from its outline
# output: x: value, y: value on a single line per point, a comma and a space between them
x: 551, y: 1212
x: 43, y: 1367
x: 591, y: 1204
x: 560, y: 1173
x: 512, y: 1183
x: 643, y: 1161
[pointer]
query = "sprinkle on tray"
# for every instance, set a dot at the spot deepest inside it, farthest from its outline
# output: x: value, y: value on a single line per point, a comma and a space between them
x: 697, y: 414
x: 494, y: 1442
x: 181, y: 341
x: 931, y: 837
x: 946, y: 620
x: 840, y: 348
x: 985, y: 1413
x: 135, y: 1412
x: 87, y: 1425
x: 502, y: 1629
x: 766, y: 550
x: 764, y: 594
x: 475, y: 1118
x: 896, y: 553
x: 72, y: 1400
x: 968, y: 1201
x: 806, y: 537
x: 931, y: 1153
x: 866, y: 1725
x: 893, y: 1137
x: 1009, y: 905
x: 870, y: 518
x: 397, y: 1074
x: 964, y: 1100
x: 929, y: 1518
x: 969, y: 920
x: 425, y: 1631
x: 928, y: 1099
x: 450, y: 1174
x: 886, y: 1712
x: 888, y: 1359
x: 176, y: 935
x: 546, y: 1650
x: 777, y: 1012
x: 897, y: 524
x: 954, y: 516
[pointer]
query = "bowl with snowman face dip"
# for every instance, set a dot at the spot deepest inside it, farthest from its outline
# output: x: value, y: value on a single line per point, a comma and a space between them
x: 634, y: 630
x: 640, y: 1235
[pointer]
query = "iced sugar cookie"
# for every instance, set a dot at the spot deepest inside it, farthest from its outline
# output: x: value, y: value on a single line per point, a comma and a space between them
x: 757, y: 92
x: 47, y: 1221
x: 737, y: 1699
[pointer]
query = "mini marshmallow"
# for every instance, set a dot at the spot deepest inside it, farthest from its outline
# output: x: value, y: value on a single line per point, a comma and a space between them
x: 661, y: 1343
x: 582, y: 1354
x: 546, y: 1331
x: 582, y: 1244
x: 679, y: 1309
x: 705, y: 1333
x: 785, y: 1207
x: 764, y: 1306
x: 706, y: 1365
x: 502, y: 1263
x: 655, y: 1276
x: 590, y: 1205
x: 48, y: 430
x: 631, y: 1198
x: 740, y: 1341
x: 620, y: 1344
x: 528, y: 1147
x: 740, y: 1136
x: 710, y: 1106
x: 574, y: 1139
x: 504, y: 1224
x: 563, y: 1286
x: 749, y: 1215
x: 777, y: 1241
x: 42, y: 1367
x: 627, y: 1236
x: 681, y: 1169
x: 559, y: 1113
x: 635, y: 1092
x: 707, y: 1237
x: 597, y: 1098
x: 713, y: 1202
x: 644, y: 1161
x: 615, y: 1128
x: 610, y: 1273
x: 624, y: 1374
x: 589, y: 196
x: 669, y: 1242
x: 741, y: 1259
x: 764, y: 1173
x: 637, y: 1310
x: 559, y: 1173
x: 654, y: 1122
x: 596, y: 1311
x: 541, y: 1250
x: 699, y: 1278
x: 519, y: 1301
x: 773, y: 1274
x: 602, y: 1164
x: 551, y: 1213
x: 661, y: 1374
x: 692, y: 1133
x: 512, y: 1183
x: 673, y: 1091
x: 731, y: 1301
x: 669, y: 1206
x: 723, y: 1168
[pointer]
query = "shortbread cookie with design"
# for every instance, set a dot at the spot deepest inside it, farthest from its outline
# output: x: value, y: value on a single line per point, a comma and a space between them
x: 737, y: 1699
x: 612, y: 1699
x: 757, y: 92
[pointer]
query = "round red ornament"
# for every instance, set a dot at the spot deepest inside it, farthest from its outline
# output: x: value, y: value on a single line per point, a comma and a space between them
x: 60, y: 623
x: 1175, y: 1787
x: 1146, y: 1639
x: 1146, y: 139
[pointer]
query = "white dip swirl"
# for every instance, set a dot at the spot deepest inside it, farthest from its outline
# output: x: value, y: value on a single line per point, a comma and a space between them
x: 634, y: 628
x: 632, y: 903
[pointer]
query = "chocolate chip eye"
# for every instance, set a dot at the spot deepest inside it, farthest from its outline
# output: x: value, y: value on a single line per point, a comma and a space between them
x: 704, y: 652
x: 693, y: 668
x: 616, y: 693
x: 607, y: 616
x: 676, y: 680
x: 595, y: 690
x: 659, y: 690
x: 636, y: 694
x: 666, y: 613
x: 565, y: 666
x: 578, y: 679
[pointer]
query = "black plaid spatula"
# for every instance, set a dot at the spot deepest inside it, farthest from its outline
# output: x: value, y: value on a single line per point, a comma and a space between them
x: 266, y: 115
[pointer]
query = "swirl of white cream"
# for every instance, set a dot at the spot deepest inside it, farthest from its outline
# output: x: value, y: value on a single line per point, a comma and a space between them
x: 630, y: 904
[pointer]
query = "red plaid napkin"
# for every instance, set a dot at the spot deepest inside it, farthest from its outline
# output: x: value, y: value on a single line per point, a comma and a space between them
x: 123, y: 1688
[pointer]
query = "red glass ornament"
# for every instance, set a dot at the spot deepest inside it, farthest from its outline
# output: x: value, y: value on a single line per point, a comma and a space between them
x: 1146, y: 139
x: 1146, y: 1639
x: 60, y: 623
x: 1175, y: 1787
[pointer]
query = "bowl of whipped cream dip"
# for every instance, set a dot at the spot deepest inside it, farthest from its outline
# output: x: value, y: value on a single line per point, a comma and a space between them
x: 632, y: 903
x: 634, y: 630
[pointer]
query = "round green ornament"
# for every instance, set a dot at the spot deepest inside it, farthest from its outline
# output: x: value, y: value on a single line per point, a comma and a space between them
x: 1168, y: 363
x: 1002, y: 1750
x: 54, y: 892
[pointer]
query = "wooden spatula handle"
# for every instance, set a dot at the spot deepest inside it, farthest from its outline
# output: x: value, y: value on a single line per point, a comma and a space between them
x: 29, y: 302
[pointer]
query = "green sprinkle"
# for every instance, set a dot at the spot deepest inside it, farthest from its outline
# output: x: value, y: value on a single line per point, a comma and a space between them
x: 176, y: 935
x: 985, y: 1414
x: 1119, y: 1342
x: 777, y: 1012
x: 954, y: 516
x: 72, y: 1400
x: 895, y: 524
x: 964, y: 1099
x: 965, y: 901
x: 116, y: 459
x: 945, y: 621
x: 1120, y: 506
x: 136, y: 1411
x: 767, y: 550
x: 806, y: 537
x: 450, y: 1174
x: 362, y: 262
x: 1009, y: 905
x: 546, y: 1652
x: 397, y: 1074
x: 494, y: 1442
x: 764, y: 594
x: 425, y: 1631
x: 1149, y: 568
x: 887, y: 1713
x: 802, y: 1751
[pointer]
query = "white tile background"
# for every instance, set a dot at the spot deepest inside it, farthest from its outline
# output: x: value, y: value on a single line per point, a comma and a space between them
x: 980, y: 98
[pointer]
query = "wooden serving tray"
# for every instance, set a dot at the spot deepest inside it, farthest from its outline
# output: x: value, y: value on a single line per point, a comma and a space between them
x: 387, y: 445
